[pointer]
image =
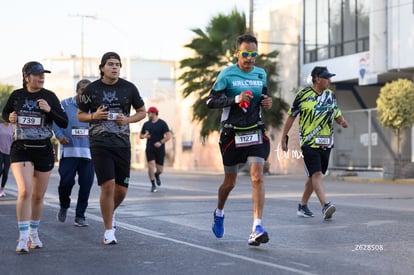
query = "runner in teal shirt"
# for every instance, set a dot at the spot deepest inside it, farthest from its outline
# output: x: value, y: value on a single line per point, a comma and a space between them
x: 240, y: 90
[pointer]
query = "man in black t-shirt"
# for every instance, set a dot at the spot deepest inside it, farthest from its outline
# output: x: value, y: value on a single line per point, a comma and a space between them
x: 157, y: 133
x: 106, y: 105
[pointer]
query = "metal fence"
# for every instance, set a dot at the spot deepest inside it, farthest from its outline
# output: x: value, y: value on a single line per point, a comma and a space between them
x: 367, y: 145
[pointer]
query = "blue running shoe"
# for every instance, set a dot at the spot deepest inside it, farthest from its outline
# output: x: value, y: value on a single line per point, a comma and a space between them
x: 304, y: 211
x: 328, y: 210
x: 258, y: 236
x: 218, y: 225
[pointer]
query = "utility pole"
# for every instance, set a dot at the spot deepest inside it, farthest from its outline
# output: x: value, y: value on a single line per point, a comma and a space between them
x: 82, y: 16
x: 251, y: 17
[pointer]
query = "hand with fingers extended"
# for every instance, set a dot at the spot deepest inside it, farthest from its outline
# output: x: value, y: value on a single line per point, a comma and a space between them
x: 101, y: 113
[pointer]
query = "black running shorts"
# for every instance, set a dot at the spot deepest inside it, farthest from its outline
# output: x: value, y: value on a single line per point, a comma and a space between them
x: 316, y: 159
x: 39, y: 152
x: 112, y: 163
x: 234, y: 156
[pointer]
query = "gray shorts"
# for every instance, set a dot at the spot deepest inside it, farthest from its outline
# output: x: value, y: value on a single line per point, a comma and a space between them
x: 235, y: 168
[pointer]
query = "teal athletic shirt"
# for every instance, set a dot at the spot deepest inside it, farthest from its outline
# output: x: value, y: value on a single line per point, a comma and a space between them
x: 317, y: 114
x: 230, y: 83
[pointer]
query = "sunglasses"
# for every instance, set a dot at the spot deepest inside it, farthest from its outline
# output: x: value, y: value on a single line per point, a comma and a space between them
x: 246, y: 53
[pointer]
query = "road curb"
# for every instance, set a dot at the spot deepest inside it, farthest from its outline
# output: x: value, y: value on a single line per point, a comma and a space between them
x: 374, y: 180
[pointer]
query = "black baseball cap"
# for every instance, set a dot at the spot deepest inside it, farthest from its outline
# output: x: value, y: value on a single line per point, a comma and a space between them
x: 321, y: 72
x: 34, y: 67
x: 107, y: 56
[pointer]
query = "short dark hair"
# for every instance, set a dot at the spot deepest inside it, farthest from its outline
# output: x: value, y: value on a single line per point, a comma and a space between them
x: 82, y: 81
x: 107, y: 56
x: 247, y: 38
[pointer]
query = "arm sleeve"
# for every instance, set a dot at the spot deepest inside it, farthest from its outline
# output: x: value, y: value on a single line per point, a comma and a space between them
x: 57, y: 113
x: 166, y: 129
x: 143, y: 129
x: 57, y: 130
x: 218, y: 99
x: 8, y: 108
x: 337, y: 111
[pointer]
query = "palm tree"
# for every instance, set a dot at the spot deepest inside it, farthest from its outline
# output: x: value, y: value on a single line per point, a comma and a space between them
x: 214, y: 50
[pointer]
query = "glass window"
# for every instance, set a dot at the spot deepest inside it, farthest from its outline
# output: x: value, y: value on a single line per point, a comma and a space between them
x: 322, y: 29
x: 349, y: 24
x: 310, y: 30
x: 363, y: 26
x: 335, y: 28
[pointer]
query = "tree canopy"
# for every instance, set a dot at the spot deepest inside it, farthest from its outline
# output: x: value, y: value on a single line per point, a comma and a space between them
x: 5, y: 91
x: 395, y: 104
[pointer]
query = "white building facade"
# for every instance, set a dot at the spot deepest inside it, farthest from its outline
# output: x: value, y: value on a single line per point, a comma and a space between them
x: 366, y: 43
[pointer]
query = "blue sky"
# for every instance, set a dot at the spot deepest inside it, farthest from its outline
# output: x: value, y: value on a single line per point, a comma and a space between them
x: 32, y: 30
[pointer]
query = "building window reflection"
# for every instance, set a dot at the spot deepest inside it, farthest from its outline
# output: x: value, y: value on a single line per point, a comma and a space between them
x: 334, y: 28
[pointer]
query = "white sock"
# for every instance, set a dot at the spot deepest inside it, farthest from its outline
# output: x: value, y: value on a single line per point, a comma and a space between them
x: 113, y: 221
x: 109, y: 231
x: 33, y: 226
x: 219, y: 212
x: 23, y: 229
x: 256, y: 222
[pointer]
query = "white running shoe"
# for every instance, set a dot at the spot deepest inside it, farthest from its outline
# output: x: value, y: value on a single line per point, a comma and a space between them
x: 23, y: 246
x: 109, y: 237
x: 35, y: 241
x: 2, y: 193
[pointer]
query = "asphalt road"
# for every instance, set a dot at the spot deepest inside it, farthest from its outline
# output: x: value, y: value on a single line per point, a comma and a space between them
x: 169, y: 232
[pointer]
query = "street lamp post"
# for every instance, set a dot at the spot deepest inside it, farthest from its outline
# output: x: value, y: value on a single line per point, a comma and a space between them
x: 251, y: 9
x: 83, y: 16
